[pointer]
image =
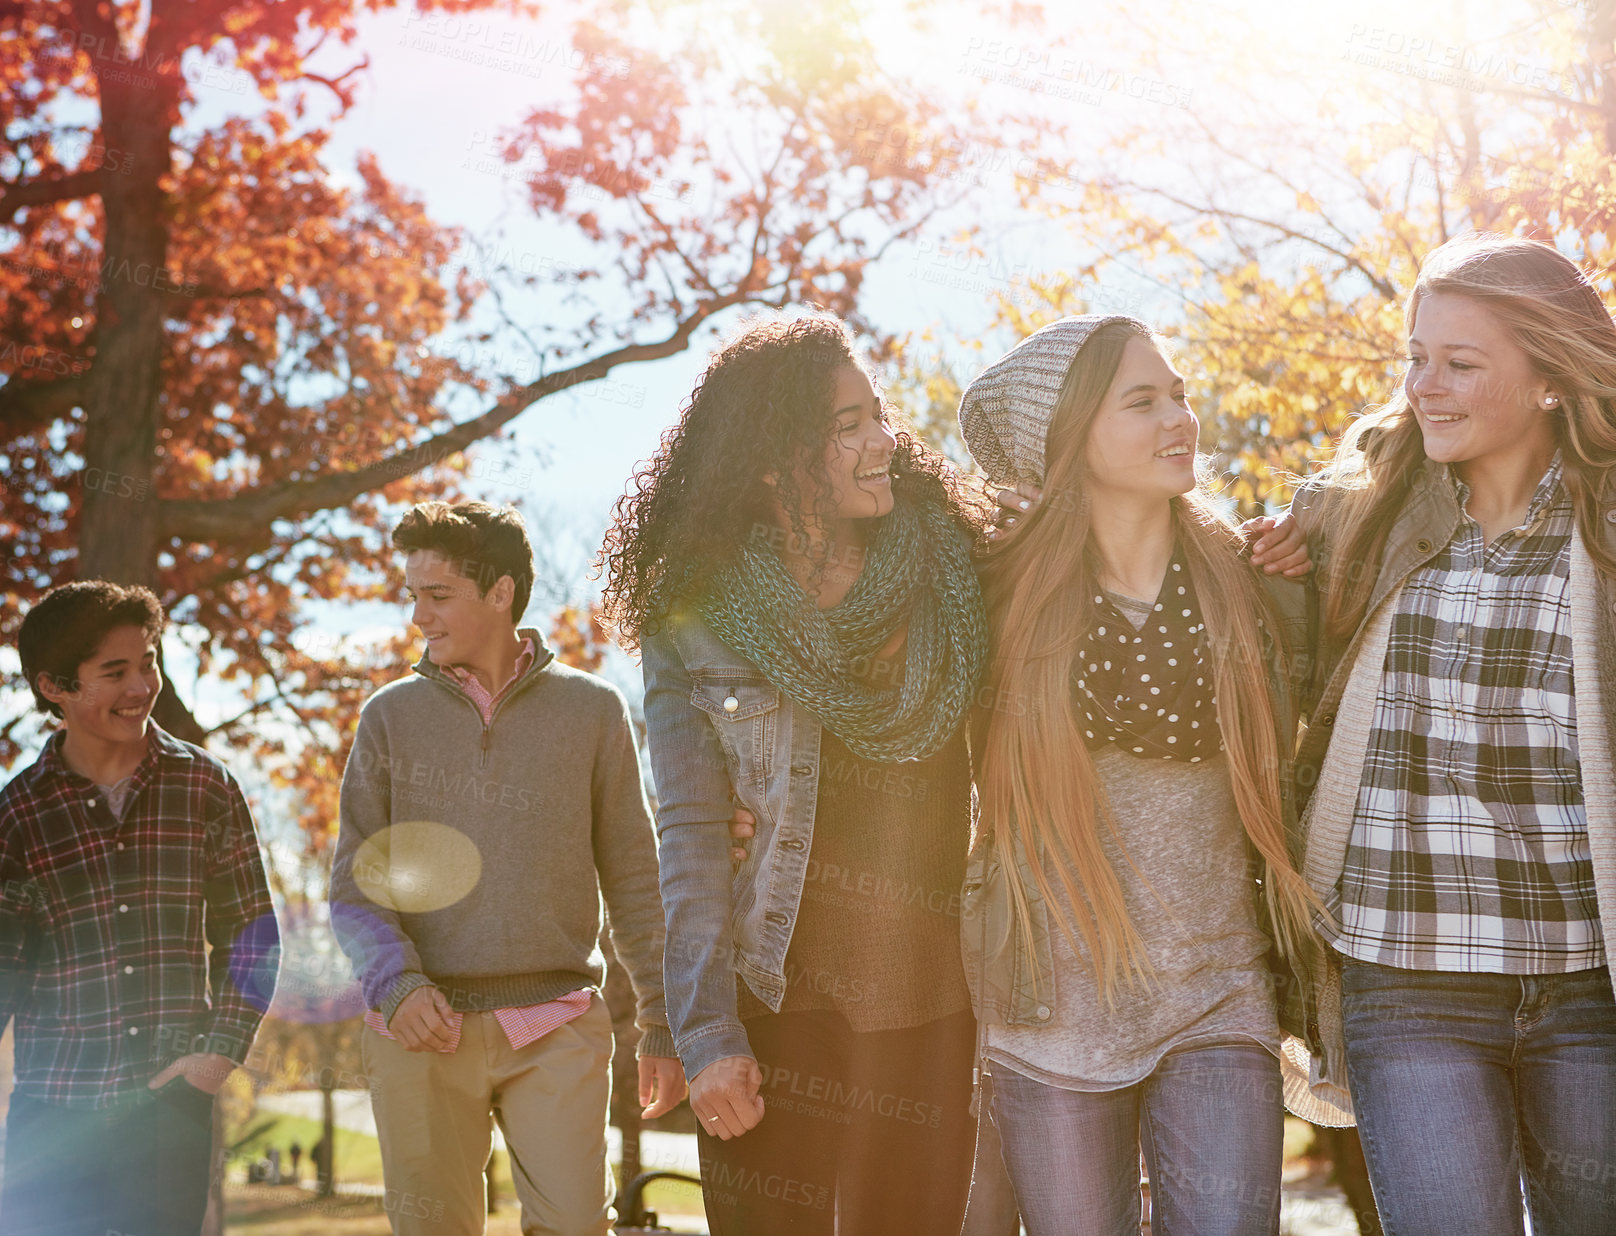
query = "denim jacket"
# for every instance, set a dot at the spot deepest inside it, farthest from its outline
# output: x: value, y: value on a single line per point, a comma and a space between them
x: 1012, y: 977
x: 713, y: 722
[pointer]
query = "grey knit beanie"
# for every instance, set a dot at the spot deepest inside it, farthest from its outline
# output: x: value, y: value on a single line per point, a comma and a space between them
x: 1005, y: 413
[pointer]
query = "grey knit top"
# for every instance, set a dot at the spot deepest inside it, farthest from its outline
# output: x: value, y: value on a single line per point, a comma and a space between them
x: 1191, y: 901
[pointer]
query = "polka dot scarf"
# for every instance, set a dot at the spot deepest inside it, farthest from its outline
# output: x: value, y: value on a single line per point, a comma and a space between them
x: 1150, y: 691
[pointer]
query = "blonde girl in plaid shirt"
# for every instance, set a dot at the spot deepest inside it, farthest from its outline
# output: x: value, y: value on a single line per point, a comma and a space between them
x: 1462, y: 824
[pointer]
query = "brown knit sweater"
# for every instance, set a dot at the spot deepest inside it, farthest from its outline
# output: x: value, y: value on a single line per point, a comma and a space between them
x: 877, y: 934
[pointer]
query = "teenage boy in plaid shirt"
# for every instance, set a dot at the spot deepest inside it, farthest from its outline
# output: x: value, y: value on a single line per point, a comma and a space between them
x: 492, y: 800
x: 124, y: 855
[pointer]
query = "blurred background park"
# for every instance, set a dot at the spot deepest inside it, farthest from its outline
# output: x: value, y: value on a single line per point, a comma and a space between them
x: 271, y: 270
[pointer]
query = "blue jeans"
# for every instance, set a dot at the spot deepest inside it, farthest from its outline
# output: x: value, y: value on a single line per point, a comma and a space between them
x: 139, y: 1168
x: 1211, y: 1122
x: 1465, y: 1083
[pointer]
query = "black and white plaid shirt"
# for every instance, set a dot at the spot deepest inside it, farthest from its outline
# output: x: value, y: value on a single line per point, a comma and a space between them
x: 1469, y: 847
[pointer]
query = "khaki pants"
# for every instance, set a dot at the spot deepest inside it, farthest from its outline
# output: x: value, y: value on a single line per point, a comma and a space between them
x: 435, y: 1113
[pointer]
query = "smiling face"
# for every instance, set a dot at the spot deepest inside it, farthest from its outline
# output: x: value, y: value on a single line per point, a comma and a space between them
x: 858, y: 455
x: 1142, y: 441
x: 1472, y: 387
x: 458, y: 622
x: 117, y: 688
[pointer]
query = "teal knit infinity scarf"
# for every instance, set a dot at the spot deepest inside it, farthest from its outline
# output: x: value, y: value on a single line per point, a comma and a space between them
x: 917, y: 571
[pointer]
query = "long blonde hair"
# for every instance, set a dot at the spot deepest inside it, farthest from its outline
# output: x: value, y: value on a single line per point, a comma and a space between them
x: 1554, y: 314
x: 1036, y: 779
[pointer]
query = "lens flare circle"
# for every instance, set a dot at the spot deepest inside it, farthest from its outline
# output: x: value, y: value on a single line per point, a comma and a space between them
x: 416, y: 866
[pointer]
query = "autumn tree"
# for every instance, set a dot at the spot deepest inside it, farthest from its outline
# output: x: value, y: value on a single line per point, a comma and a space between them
x: 1284, y: 218
x: 224, y: 365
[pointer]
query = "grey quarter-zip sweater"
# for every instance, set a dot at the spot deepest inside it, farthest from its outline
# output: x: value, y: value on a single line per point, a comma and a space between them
x: 476, y: 857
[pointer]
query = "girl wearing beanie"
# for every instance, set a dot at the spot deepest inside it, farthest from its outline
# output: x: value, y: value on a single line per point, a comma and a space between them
x: 1130, y: 883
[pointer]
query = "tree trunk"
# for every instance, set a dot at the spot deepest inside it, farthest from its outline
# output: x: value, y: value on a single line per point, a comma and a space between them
x: 118, y: 522
x: 1352, y: 1174
x: 326, y: 1165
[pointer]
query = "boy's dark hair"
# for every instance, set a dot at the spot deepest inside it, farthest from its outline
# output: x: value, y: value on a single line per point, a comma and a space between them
x: 481, y: 541
x: 66, y: 625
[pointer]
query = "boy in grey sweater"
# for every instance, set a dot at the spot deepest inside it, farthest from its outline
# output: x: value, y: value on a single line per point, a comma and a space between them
x: 491, y: 798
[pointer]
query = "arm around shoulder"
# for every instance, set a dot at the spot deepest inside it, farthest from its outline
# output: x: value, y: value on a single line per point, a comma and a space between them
x: 1311, y: 507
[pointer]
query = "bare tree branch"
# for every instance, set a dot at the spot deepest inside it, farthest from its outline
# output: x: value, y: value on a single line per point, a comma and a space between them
x: 248, y: 514
x: 29, y: 406
x: 1376, y: 280
x: 339, y: 85
x: 69, y: 188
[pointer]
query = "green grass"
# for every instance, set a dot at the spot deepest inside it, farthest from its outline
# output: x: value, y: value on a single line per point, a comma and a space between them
x: 358, y: 1157
x: 1298, y: 1138
x: 264, y: 1211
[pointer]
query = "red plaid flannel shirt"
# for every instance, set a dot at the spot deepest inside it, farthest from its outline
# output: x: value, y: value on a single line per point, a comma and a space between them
x: 106, y: 926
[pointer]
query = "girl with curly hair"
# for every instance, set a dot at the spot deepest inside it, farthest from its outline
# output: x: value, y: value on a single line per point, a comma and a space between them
x: 796, y: 572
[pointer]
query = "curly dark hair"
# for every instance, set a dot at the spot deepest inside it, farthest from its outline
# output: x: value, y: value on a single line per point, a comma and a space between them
x: 763, y: 406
